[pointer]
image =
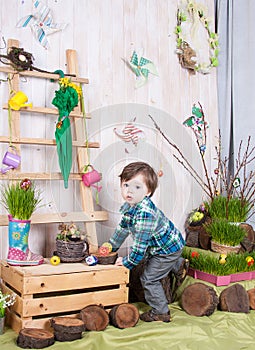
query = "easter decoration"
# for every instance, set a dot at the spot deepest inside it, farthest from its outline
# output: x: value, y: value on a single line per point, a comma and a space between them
x: 66, y: 98
x: 130, y: 134
x: 218, y: 225
x: 141, y: 67
x: 105, y: 255
x: 71, y: 245
x: 194, y: 15
x: 91, y: 178
x: 41, y: 23
x: 21, y: 200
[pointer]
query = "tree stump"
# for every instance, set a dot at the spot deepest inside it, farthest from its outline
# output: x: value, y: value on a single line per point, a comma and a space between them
x: 198, y: 299
x: 196, y: 235
x: 94, y: 317
x: 251, y: 295
x: 235, y: 299
x: 192, y: 238
x: 67, y: 328
x: 136, y: 292
x: 247, y: 245
x: 35, y: 338
x: 124, y: 316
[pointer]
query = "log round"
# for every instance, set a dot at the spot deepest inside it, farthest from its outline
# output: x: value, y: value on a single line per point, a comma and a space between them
x: 198, y: 299
x: 251, y: 295
x: 35, y: 338
x: 136, y: 292
x: 124, y: 316
x: 235, y: 299
x: 94, y: 317
x: 67, y: 328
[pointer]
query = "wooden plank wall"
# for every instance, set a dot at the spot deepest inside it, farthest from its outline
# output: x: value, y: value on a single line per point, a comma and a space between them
x: 104, y: 32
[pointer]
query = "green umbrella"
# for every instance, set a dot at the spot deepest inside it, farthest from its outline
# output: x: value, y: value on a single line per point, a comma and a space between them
x: 66, y: 98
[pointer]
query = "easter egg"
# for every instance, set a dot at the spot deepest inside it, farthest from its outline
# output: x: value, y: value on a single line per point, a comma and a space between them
x: 108, y: 245
x: 91, y: 260
x: 55, y: 260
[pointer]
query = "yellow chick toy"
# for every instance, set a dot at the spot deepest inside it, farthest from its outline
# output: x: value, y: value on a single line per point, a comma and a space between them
x: 222, y: 259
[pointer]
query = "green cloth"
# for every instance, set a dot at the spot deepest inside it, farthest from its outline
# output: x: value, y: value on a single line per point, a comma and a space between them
x: 220, y: 331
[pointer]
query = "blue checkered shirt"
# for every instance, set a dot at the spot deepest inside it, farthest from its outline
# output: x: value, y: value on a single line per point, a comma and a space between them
x: 152, y: 232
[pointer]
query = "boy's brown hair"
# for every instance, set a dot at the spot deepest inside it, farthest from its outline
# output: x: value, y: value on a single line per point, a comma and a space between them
x: 135, y: 168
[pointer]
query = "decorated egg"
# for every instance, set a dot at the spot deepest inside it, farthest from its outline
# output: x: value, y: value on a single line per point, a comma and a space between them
x: 108, y: 245
x: 55, y: 260
x: 91, y: 260
x: 25, y: 184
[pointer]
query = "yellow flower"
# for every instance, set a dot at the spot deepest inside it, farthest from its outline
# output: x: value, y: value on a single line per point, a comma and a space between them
x: 16, y: 235
x: 77, y: 88
x: 65, y: 82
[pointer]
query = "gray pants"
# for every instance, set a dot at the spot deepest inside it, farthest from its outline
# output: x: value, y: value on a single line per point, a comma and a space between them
x: 156, y: 268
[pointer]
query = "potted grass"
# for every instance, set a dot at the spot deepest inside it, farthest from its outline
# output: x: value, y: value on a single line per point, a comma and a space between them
x: 234, y: 209
x: 225, y: 237
x: 21, y: 200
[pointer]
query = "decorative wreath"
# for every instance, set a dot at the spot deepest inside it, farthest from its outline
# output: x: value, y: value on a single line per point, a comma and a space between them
x: 195, y: 13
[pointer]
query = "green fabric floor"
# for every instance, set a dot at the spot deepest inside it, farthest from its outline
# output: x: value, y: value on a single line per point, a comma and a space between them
x: 221, y: 330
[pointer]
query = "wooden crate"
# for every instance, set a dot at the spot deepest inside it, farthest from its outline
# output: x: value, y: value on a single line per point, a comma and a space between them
x: 46, y: 291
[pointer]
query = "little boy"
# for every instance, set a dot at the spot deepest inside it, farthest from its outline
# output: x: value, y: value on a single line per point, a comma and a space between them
x: 154, y: 237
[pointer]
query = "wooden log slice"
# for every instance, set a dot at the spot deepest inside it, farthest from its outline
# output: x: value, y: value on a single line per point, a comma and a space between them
x: 192, y: 238
x: 204, y: 239
x: 35, y: 338
x: 94, y: 317
x: 251, y: 295
x: 234, y: 299
x: 124, y: 315
x: 67, y: 328
x: 136, y: 292
x: 250, y: 234
x: 198, y: 299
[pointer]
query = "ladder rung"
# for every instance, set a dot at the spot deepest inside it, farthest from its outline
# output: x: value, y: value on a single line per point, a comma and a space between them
x: 14, y: 175
x: 46, y: 142
x: 47, y: 110
x: 62, y: 217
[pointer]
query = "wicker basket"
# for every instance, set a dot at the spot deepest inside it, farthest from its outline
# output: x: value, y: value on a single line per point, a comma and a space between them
x: 71, y: 251
x: 224, y: 249
x: 107, y: 259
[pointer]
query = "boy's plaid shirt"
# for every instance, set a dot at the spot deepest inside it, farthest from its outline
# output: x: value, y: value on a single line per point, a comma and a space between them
x: 152, y: 232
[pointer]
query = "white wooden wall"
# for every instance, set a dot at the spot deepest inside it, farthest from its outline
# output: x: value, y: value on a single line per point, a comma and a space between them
x: 104, y: 32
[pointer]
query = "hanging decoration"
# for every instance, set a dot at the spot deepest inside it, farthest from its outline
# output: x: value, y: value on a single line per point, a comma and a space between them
x: 66, y: 98
x: 194, y: 14
x: 22, y: 60
x: 41, y: 23
x: 198, y: 124
x: 141, y: 67
x: 130, y: 134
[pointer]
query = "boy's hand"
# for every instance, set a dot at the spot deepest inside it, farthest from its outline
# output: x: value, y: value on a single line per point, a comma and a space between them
x: 118, y: 262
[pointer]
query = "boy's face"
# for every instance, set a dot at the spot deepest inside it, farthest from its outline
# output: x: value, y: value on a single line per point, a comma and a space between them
x: 134, y: 190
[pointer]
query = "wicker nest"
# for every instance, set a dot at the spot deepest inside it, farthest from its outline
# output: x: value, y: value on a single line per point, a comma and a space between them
x: 71, y: 251
x: 107, y: 259
x: 224, y: 249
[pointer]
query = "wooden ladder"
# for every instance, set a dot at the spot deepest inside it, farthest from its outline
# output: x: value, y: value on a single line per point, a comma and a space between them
x: 89, y: 216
